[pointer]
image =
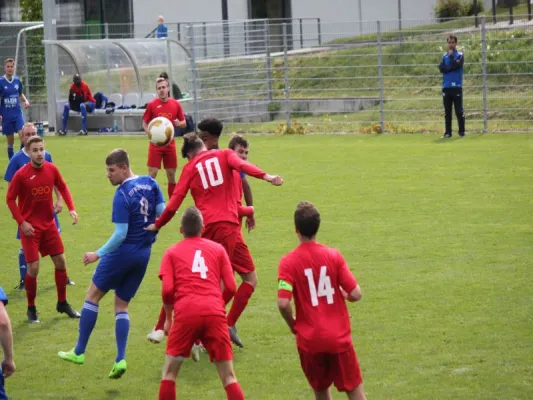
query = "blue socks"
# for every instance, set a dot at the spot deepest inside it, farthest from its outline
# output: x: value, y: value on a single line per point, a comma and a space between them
x: 122, y: 328
x: 83, y: 110
x: 22, y: 265
x: 89, y: 314
x: 10, y: 151
x: 64, y: 118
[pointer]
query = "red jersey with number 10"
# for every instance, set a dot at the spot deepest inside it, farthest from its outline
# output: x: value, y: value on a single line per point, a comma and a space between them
x: 191, y: 271
x: 209, y: 176
x: 316, y: 274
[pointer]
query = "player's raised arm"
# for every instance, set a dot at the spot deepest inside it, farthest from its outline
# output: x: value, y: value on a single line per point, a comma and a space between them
x: 249, y: 169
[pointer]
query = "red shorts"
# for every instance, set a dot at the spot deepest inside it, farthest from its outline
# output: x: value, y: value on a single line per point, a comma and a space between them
x: 241, y: 261
x: 223, y: 233
x: 166, y: 154
x: 47, y: 242
x: 211, y: 330
x: 323, y: 369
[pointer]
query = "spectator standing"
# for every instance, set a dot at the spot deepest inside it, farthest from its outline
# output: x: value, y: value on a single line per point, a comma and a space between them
x: 451, y: 67
x: 80, y: 99
x: 162, y: 29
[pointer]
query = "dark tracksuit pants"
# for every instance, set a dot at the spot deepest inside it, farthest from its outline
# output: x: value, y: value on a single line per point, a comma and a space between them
x: 453, y: 97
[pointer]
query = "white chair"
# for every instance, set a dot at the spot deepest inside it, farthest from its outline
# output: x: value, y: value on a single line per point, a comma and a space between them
x: 131, y: 99
x: 115, y: 98
x: 147, y: 97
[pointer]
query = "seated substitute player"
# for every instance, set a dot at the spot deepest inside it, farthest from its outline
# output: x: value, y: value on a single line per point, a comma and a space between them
x: 209, y: 176
x: 191, y: 272
x: 163, y: 106
x: 320, y: 281
x: 6, y: 341
x: 33, y: 185
x: 80, y: 99
x: 10, y: 111
x: 123, y: 258
x: 19, y: 160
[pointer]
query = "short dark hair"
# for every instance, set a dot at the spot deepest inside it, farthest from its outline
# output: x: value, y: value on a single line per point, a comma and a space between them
x: 192, y: 222
x: 212, y: 126
x: 307, y: 219
x: 452, y: 37
x: 33, y: 139
x: 163, y: 75
x: 237, y: 140
x: 8, y: 60
x: 191, y: 142
x: 118, y: 157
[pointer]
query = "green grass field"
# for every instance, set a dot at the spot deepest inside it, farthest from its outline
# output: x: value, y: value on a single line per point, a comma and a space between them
x: 439, y: 235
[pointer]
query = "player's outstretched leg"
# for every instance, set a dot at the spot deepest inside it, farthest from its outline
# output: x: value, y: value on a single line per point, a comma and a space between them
x: 22, y: 270
x: 158, y: 333
x: 122, y: 328
x: 229, y: 381
x: 89, y: 315
x: 171, y: 369
x: 61, y: 285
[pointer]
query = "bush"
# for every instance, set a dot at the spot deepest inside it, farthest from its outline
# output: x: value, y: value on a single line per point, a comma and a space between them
x: 449, y: 9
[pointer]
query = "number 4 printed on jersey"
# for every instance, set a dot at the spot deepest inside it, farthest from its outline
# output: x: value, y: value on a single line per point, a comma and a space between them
x: 324, y: 286
x: 198, y: 264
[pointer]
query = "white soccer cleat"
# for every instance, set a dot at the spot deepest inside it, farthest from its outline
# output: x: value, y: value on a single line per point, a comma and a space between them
x: 156, y: 336
x: 195, y: 353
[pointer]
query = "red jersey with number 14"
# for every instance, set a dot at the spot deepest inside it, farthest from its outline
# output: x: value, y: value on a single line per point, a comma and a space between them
x: 191, y: 271
x: 209, y: 176
x: 313, y: 274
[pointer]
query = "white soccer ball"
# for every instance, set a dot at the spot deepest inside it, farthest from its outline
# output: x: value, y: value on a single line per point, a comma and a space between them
x: 160, y: 131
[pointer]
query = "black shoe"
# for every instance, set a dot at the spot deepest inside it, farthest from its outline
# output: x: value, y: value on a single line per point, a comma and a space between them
x: 234, y: 337
x: 461, y: 134
x: 65, y: 308
x: 70, y: 283
x: 21, y: 286
x: 446, y: 136
x: 33, y: 318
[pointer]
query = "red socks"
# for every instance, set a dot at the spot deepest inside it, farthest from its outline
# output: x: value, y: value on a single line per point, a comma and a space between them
x: 233, y: 392
x: 240, y: 301
x: 167, y: 390
x: 31, y: 289
x: 61, y: 284
x: 161, y: 321
x: 171, y: 187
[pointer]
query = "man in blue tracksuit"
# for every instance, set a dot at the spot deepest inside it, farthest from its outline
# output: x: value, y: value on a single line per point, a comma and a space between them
x: 451, y: 67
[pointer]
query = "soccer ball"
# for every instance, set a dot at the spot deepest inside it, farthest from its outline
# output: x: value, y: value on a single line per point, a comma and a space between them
x: 160, y: 131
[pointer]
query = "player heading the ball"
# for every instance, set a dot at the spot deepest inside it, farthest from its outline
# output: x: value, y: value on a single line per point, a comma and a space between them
x: 191, y: 272
x: 123, y: 258
x: 209, y: 176
x: 33, y: 185
x: 320, y: 281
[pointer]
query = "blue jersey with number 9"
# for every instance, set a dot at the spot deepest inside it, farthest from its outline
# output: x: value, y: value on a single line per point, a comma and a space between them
x: 135, y: 204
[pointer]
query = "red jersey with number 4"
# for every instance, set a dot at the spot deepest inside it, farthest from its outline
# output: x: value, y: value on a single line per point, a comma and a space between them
x: 210, y: 178
x: 191, y: 271
x: 313, y: 274
x: 170, y: 109
x: 34, y: 188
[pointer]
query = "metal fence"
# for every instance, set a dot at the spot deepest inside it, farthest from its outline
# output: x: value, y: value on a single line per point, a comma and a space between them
x: 311, y: 76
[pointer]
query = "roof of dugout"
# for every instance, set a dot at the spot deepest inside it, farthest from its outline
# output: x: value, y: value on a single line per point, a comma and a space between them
x: 120, y: 65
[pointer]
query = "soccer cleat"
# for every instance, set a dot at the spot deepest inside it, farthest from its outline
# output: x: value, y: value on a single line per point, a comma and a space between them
x: 70, y: 283
x: 156, y: 336
x: 461, y: 134
x: 195, y: 353
x: 82, y: 133
x: 446, y: 136
x: 234, y: 337
x: 62, y: 133
x: 21, y: 285
x: 72, y: 357
x: 33, y: 318
x: 65, y: 308
x: 118, y: 370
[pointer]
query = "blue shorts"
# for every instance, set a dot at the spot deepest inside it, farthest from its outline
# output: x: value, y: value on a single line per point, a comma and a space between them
x: 3, y: 395
x: 122, y: 270
x: 58, y: 229
x: 11, y: 125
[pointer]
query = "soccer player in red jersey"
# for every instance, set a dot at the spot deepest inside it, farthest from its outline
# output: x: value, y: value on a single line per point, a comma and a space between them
x: 163, y: 106
x: 33, y: 185
x: 191, y: 272
x: 320, y: 281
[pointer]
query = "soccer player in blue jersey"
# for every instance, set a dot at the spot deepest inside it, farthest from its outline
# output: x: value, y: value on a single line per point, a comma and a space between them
x: 123, y: 259
x: 10, y: 111
x: 6, y: 342
x: 19, y: 160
